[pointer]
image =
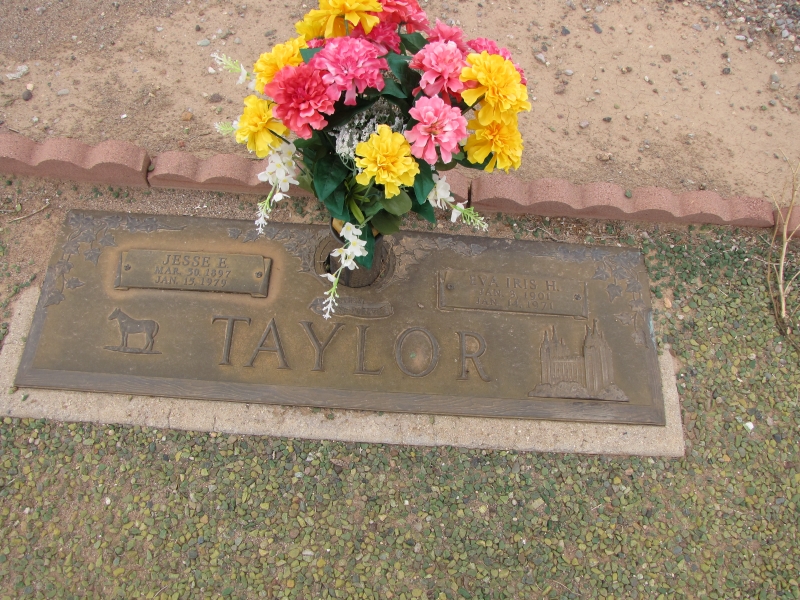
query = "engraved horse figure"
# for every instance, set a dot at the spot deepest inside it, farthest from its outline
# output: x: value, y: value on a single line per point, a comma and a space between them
x: 128, y: 325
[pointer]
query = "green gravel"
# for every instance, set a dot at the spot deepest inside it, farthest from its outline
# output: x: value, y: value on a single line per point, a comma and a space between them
x: 90, y: 511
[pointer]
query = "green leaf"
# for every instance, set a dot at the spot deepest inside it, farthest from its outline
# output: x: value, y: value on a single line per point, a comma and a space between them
x: 398, y: 63
x: 470, y: 165
x: 302, y: 144
x: 423, y: 182
x: 308, y: 53
x: 366, y: 235
x: 386, y: 223
x: 412, y: 42
x: 397, y: 205
x: 329, y: 173
x: 423, y: 209
x: 392, y: 88
x: 335, y: 203
x: 440, y: 166
x: 356, y: 211
x: 305, y: 182
x: 372, y: 208
x: 408, y: 77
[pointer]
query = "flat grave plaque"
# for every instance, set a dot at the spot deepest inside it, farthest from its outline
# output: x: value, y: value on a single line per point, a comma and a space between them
x: 455, y: 325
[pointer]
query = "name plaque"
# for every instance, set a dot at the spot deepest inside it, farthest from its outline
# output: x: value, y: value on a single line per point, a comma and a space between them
x: 455, y: 325
x: 196, y: 271
x: 523, y: 293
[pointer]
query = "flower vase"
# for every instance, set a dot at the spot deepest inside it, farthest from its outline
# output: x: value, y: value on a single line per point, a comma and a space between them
x: 359, y: 277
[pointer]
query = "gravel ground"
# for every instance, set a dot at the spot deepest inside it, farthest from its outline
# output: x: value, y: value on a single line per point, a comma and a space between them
x: 121, y: 512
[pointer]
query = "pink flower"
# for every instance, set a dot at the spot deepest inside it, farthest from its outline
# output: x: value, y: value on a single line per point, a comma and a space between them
x: 350, y: 65
x: 439, y: 124
x: 384, y: 35
x: 317, y: 42
x: 442, y: 32
x: 479, y: 45
x: 441, y: 64
x: 484, y: 44
x: 300, y: 96
x: 404, y: 12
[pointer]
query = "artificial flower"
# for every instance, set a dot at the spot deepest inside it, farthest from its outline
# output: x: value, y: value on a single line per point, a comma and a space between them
x: 350, y: 65
x: 313, y: 25
x: 281, y: 170
x: 331, y: 18
x: 346, y: 259
x: 282, y: 55
x: 384, y: 35
x: 494, y: 79
x: 301, y: 97
x: 258, y: 127
x: 502, y: 140
x: 442, y: 32
x: 439, y: 125
x: 350, y: 232
x: 386, y: 157
x: 458, y: 207
x: 404, y: 12
x: 440, y: 196
x: 441, y: 64
x: 485, y: 44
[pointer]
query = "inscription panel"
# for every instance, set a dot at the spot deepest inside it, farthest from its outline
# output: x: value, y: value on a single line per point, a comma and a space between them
x: 196, y: 271
x: 455, y: 326
x: 518, y: 292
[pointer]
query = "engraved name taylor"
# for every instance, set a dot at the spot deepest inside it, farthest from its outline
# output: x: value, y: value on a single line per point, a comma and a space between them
x: 588, y: 375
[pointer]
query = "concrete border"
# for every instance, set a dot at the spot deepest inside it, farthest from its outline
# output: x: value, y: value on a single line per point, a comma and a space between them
x: 349, y: 426
x: 124, y: 164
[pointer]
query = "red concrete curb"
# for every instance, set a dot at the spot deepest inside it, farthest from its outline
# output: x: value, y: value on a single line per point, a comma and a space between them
x: 111, y: 162
x: 239, y: 175
x: 559, y: 198
x: 124, y: 164
x: 220, y: 173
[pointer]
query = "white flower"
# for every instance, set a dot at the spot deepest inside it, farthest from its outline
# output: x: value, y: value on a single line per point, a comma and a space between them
x: 345, y: 258
x: 357, y: 247
x: 440, y: 195
x: 456, y: 212
x: 350, y: 232
x: 329, y: 277
x: 242, y: 75
x: 284, y: 182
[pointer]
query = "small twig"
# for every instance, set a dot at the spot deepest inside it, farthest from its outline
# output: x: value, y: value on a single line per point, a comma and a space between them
x: 198, y: 135
x: 46, y: 204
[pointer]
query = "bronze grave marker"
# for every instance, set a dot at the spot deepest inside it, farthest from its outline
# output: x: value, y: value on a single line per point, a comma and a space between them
x: 207, y: 308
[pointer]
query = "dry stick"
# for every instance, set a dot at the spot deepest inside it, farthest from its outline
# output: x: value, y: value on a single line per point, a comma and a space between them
x: 46, y: 204
x: 778, y: 269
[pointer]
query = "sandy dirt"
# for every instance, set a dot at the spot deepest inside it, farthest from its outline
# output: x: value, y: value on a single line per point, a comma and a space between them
x: 646, y: 82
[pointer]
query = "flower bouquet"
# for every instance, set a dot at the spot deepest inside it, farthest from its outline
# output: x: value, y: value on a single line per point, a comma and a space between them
x: 367, y: 108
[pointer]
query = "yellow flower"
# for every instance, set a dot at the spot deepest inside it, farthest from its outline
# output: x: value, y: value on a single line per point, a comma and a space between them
x: 329, y: 20
x: 258, y: 128
x: 282, y: 55
x: 501, y: 139
x: 498, y: 83
x: 386, y: 156
x: 313, y: 25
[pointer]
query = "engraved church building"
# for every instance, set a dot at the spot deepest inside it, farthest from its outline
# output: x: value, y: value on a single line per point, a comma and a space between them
x: 590, y: 375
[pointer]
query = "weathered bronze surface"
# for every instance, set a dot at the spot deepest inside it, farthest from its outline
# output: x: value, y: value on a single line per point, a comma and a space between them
x: 455, y: 325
